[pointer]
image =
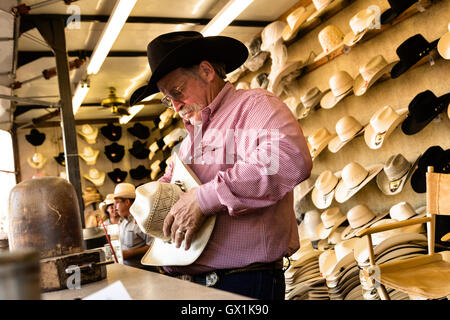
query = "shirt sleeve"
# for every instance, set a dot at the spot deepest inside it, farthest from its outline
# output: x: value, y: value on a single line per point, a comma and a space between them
x: 267, y: 167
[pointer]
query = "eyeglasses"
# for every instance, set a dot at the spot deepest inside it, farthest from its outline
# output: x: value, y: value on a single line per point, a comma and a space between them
x: 175, y: 94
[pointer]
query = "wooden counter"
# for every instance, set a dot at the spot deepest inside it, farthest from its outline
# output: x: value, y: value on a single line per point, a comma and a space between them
x: 145, y: 285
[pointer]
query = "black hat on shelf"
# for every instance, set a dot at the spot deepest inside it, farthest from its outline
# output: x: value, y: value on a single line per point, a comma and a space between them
x: 139, y: 131
x: 35, y: 137
x: 423, y: 109
x: 61, y: 159
x: 139, y: 150
x: 114, y: 152
x: 117, y: 175
x: 140, y: 173
x: 436, y: 157
x: 410, y: 52
x: 111, y: 132
x: 397, y: 8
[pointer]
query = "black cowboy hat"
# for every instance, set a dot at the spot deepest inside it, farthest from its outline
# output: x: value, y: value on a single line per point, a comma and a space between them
x: 423, y: 109
x: 111, y: 132
x: 35, y: 137
x: 117, y: 175
x: 397, y: 8
x: 61, y: 159
x: 410, y: 52
x: 140, y: 173
x: 139, y: 131
x: 436, y: 157
x: 139, y: 150
x: 173, y: 50
x: 114, y: 152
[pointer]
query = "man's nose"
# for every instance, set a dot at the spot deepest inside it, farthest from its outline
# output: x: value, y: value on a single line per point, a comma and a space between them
x: 177, y: 105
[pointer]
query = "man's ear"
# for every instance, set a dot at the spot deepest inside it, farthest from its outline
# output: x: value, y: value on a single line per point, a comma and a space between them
x: 207, y: 71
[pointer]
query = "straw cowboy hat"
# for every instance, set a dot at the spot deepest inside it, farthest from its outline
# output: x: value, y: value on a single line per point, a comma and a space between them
x: 382, y: 123
x: 320, y: 6
x: 360, y: 217
x: 111, y: 132
x: 35, y: 137
x: 153, y: 201
x: 170, y: 51
x: 295, y: 105
x: 95, y: 176
x: 154, y: 147
x: 396, y: 172
x: 295, y: 20
x: 117, y: 175
x: 323, y: 192
x: 360, y: 23
x: 327, y: 260
x: 305, y: 253
x: 331, y: 39
x: 89, y: 133
x: 91, y: 195
x: 331, y: 218
x: 396, y: 8
x: 318, y: 141
x: 257, y: 57
x: 341, y: 84
x: 304, y: 187
x: 410, y: 52
x: 307, y: 228
x: 370, y: 73
x: 278, y: 76
x: 404, y: 211
x: 311, y: 98
x: 344, y: 257
x: 174, y: 136
x: 37, y: 160
x: 125, y: 190
x: 443, y: 45
x: 347, y: 128
x: 272, y: 34
x: 353, y: 178
x: 89, y: 155
x: 105, y: 203
x: 423, y: 109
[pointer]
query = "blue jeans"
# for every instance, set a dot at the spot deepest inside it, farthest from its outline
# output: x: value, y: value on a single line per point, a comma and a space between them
x: 263, y: 285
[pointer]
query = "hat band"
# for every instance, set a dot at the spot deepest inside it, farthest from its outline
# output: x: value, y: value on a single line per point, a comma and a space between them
x: 361, y: 224
x: 351, y: 188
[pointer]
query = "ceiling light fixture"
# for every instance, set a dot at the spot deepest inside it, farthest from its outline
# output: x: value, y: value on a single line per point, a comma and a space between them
x: 80, y: 93
x: 115, y: 23
x: 228, y: 13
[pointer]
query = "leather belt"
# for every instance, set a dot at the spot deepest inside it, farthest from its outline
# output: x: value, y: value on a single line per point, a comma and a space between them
x: 209, y: 279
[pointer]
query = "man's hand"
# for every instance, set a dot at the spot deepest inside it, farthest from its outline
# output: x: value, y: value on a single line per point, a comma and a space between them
x: 184, y: 219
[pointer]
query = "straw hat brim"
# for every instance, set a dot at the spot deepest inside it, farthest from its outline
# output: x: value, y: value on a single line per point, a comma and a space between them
x: 383, y: 181
x: 320, y: 200
x: 370, y: 134
x: 91, y: 137
x: 350, y: 39
x: 442, y: 46
x: 323, y: 232
x: 318, y: 12
x: 342, y: 194
x: 337, y: 144
x: 329, y: 100
x: 306, y: 186
x: 315, y: 153
x: 326, y: 53
x: 315, y: 102
x: 349, y: 232
x: 96, y: 181
x: 288, y: 33
x: 284, y: 71
x: 360, y: 86
x: 342, y: 263
x: 90, y: 159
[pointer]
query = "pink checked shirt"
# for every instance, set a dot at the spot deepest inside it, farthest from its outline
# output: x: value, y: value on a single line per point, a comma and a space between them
x: 249, y: 153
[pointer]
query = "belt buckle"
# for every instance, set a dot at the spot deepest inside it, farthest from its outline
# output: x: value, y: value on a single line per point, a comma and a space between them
x: 211, y: 279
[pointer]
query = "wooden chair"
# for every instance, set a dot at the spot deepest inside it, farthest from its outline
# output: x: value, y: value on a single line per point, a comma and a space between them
x: 425, y: 276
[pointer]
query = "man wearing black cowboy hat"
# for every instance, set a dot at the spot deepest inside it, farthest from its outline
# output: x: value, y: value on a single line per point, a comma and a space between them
x: 250, y: 194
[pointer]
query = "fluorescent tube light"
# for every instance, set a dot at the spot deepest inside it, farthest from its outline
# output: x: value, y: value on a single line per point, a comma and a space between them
x: 132, y: 111
x: 80, y: 93
x: 119, y: 16
x: 228, y: 13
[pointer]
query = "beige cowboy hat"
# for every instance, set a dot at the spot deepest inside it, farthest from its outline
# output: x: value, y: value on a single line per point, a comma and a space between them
x: 320, y: 6
x: 174, y: 136
x: 353, y: 178
x: 396, y: 172
x: 89, y: 155
x: 382, y: 124
x: 443, y: 46
x: 370, y: 73
x: 161, y: 252
x: 305, y: 251
x: 331, y: 39
x: 109, y: 199
x: 318, y: 141
x: 95, y: 176
x: 323, y: 192
x: 341, y: 84
x: 404, y: 211
x: 336, y: 237
x: 272, y: 34
x: 347, y: 128
x: 166, y: 118
x: 125, y: 190
x: 360, y: 217
x: 91, y: 195
x: 307, y: 228
x: 89, y: 133
x: 295, y: 105
x: 311, y: 98
x: 344, y: 256
x: 37, y: 160
x: 243, y: 85
x: 327, y: 260
x: 295, y: 20
x: 276, y: 77
x: 331, y: 218
x: 304, y: 187
x: 360, y: 23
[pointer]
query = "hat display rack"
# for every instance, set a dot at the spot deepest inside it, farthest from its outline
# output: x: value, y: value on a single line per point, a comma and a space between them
x: 365, y: 123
